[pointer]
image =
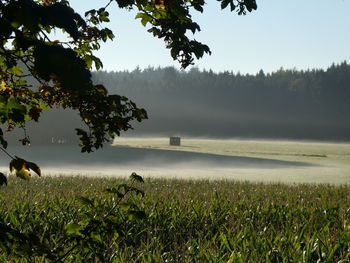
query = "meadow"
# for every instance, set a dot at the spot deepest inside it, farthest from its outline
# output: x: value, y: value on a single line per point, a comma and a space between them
x: 74, y: 219
x: 253, y: 160
x: 324, y: 162
x: 205, y: 201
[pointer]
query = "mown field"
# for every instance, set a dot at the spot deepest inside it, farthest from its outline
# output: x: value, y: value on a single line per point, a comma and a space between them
x: 47, y: 220
x: 326, y: 162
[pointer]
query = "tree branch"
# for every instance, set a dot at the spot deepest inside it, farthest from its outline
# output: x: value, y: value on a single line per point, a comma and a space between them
x: 9, y: 155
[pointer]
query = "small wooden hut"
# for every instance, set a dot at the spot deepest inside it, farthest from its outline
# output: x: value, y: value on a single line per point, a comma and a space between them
x: 175, y: 141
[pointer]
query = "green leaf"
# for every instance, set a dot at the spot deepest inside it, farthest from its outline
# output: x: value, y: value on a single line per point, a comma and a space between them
x: 88, y: 61
x: 139, y: 215
x: 225, y: 3
x: 199, y: 52
x: 114, y: 190
x: 17, y: 116
x: 62, y: 16
x: 225, y: 241
x: 91, y: 12
x: 198, y: 8
x: 16, y: 70
x: 125, y: 206
x: 96, y: 237
x: 128, y: 188
x: 53, y: 62
x: 98, y: 63
x: 12, y: 103
x: 250, y: 5
x: 144, y: 18
x: 43, y: 105
x: 73, y: 229
x: 232, y: 6
x: 3, y: 179
x: 86, y: 201
x: 136, y: 177
x: 103, y: 15
x: 232, y: 257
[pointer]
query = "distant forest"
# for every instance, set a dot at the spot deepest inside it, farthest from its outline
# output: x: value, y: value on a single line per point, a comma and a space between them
x: 286, y: 104
x: 312, y: 104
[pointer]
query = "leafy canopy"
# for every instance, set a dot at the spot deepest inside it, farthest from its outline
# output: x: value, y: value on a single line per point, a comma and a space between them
x: 62, y: 67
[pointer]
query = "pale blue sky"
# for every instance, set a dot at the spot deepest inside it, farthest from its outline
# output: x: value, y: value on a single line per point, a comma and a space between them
x: 300, y: 33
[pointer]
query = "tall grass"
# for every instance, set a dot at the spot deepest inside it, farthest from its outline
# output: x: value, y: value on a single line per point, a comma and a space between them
x: 189, y: 221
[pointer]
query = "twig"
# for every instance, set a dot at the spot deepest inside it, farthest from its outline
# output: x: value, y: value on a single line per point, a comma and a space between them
x: 108, y: 4
x: 6, y: 153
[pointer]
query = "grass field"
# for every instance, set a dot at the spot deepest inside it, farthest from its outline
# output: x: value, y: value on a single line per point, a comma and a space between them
x: 186, y: 221
x: 327, y: 162
x: 74, y: 219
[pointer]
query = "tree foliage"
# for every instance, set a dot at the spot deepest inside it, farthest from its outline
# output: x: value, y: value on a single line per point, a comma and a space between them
x: 62, y: 67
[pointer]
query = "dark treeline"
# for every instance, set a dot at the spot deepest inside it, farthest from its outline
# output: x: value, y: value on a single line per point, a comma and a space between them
x: 311, y: 104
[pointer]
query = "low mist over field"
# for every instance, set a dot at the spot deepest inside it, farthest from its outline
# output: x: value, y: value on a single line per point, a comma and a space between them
x: 253, y: 160
x: 189, y: 131
x: 261, y: 160
x: 284, y: 105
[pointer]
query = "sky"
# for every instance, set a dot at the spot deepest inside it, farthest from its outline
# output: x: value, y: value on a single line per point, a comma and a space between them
x: 300, y: 34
